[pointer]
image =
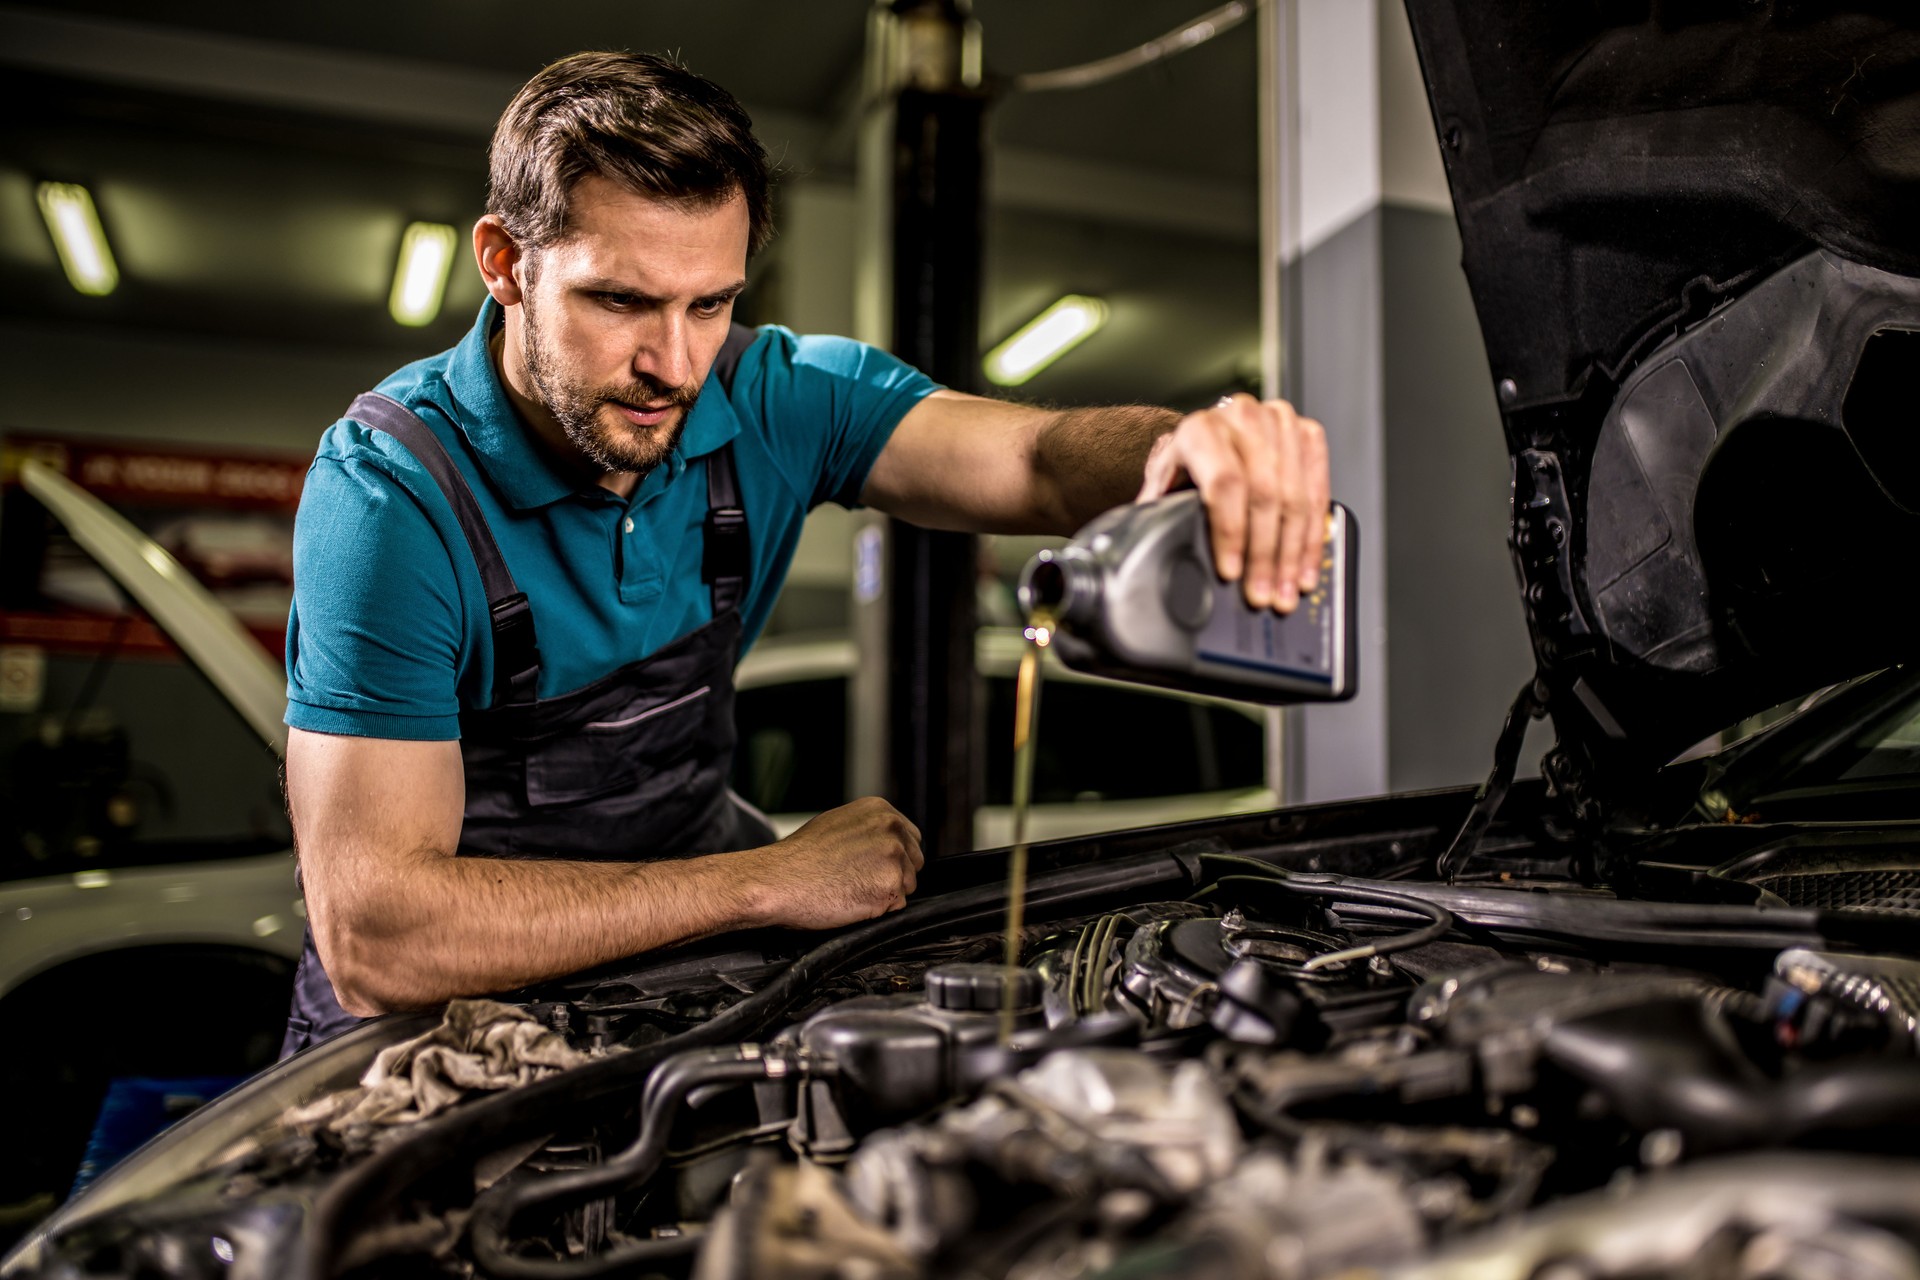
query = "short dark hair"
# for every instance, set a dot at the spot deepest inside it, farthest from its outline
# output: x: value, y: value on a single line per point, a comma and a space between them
x: 640, y: 120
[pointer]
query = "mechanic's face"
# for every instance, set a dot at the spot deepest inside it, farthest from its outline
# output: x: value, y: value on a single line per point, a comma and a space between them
x: 620, y: 321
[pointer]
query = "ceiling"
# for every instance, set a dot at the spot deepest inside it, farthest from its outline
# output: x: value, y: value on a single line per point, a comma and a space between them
x: 255, y: 164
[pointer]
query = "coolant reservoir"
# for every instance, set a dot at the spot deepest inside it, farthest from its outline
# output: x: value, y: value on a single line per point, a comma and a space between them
x: 895, y: 1057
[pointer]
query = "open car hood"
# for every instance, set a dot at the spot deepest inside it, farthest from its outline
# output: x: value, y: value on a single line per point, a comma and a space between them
x: 179, y: 604
x: 1690, y: 233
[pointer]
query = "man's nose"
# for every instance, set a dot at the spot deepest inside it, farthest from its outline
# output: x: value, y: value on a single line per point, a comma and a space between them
x: 662, y: 354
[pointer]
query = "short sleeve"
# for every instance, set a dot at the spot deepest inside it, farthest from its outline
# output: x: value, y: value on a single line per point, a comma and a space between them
x: 829, y: 406
x: 374, y: 640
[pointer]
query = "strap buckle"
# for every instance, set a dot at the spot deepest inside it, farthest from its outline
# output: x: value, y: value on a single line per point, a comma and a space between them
x: 729, y: 551
x: 516, y: 652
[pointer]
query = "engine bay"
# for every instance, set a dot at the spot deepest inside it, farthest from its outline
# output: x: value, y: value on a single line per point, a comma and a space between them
x: 1216, y: 1066
x: 1277, y: 1047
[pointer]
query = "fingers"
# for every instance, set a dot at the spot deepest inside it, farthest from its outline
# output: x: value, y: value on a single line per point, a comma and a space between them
x: 1292, y: 488
x: 1162, y: 470
x: 904, y: 838
x: 1204, y: 443
x: 1313, y: 466
x: 857, y: 862
x: 1260, y: 447
x: 1262, y: 471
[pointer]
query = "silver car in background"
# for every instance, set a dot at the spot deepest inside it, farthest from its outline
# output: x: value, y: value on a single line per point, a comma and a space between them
x: 148, y: 916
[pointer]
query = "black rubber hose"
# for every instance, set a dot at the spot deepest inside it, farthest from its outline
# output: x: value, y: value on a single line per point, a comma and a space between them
x: 489, y: 1123
x: 1672, y: 1064
x: 1440, y: 921
x: 666, y: 1091
x: 1586, y: 919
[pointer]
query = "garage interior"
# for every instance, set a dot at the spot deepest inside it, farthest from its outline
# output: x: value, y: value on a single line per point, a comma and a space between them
x: 257, y: 166
x: 1264, y: 212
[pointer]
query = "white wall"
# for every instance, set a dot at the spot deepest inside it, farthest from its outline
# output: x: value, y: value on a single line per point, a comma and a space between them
x: 816, y: 255
x: 1412, y: 174
x: 1382, y: 345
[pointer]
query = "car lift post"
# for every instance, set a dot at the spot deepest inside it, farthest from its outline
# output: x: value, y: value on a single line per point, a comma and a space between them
x: 915, y: 708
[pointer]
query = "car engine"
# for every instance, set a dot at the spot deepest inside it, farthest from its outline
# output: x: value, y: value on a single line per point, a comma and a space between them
x: 1277, y: 1074
x: 1208, y: 1064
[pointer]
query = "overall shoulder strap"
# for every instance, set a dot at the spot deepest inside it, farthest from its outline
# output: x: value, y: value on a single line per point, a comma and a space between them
x: 728, y: 557
x: 739, y: 338
x: 516, y: 652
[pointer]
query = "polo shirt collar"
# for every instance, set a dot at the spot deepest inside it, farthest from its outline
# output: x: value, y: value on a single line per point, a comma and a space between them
x: 518, y: 467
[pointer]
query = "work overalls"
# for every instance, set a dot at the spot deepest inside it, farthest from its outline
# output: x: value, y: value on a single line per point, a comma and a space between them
x: 632, y: 767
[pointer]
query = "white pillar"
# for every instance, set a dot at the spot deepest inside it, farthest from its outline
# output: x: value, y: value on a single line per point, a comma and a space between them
x: 1320, y: 140
x: 1369, y: 326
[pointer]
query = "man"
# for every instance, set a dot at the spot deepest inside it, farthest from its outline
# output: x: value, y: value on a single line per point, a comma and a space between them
x: 526, y: 568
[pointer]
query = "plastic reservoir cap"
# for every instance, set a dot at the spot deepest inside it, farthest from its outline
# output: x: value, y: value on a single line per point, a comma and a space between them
x: 980, y: 988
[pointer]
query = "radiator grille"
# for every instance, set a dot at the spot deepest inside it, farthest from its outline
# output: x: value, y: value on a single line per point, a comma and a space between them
x: 1890, y: 890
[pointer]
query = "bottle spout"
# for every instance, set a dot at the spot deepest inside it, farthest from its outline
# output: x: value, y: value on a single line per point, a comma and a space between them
x: 1064, y: 587
x: 1044, y: 584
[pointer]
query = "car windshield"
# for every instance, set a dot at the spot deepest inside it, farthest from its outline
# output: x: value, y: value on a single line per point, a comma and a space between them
x: 114, y: 750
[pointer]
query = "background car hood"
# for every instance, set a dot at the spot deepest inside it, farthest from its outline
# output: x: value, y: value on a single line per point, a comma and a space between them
x: 1689, y: 230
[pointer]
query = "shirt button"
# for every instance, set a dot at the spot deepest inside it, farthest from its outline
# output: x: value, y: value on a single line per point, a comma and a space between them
x: 628, y: 526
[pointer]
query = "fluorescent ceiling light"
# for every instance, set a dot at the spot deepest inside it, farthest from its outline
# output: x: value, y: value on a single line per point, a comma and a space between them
x: 1045, y: 338
x: 420, y: 277
x: 78, y: 237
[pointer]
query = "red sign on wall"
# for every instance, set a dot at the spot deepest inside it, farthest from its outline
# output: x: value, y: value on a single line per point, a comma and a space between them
x: 226, y: 516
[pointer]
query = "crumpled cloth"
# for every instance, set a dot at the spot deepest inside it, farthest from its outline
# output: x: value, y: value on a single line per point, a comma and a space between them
x: 480, y: 1045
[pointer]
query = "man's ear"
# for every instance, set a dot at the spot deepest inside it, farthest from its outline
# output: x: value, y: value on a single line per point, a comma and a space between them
x: 499, y: 257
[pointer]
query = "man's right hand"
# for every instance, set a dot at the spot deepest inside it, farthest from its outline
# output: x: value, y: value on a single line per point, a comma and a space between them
x: 848, y: 864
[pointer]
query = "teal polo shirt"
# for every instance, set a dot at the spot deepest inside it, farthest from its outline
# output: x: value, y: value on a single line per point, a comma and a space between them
x: 388, y: 635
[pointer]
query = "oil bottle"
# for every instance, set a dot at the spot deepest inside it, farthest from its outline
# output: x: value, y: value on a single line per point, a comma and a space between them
x: 1134, y: 596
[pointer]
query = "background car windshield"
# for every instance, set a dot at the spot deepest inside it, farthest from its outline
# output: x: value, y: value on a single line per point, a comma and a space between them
x: 114, y: 750
x: 1097, y: 742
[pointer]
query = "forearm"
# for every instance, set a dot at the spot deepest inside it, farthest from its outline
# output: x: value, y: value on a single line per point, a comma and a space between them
x: 990, y: 466
x: 418, y: 931
x: 1086, y: 461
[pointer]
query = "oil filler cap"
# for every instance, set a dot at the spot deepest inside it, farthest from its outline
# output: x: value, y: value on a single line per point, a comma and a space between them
x: 980, y: 988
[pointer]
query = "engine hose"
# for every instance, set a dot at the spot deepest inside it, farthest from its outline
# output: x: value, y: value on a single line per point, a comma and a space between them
x: 667, y: 1090
x: 1681, y: 1221
x: 1440, y: 921
x: 1083, y: 997
x: 1671, y: 1064
x: 487, y: 1124
x: 1098, y: 951
x: 1584, y: 920
x: 1073, y: 970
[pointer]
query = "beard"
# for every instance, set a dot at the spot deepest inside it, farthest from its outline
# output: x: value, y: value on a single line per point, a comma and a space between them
x: 586, y: 414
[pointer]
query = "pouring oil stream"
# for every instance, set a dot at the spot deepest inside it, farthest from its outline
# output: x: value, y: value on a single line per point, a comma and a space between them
x: 1026, y: 720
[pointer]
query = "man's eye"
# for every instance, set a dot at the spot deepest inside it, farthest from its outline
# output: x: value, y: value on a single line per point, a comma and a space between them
x: 710, y: 307
x: 619, y: 301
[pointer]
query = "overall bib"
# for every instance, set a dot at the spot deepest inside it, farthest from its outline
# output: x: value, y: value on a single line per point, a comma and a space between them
x: 632, y: 767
